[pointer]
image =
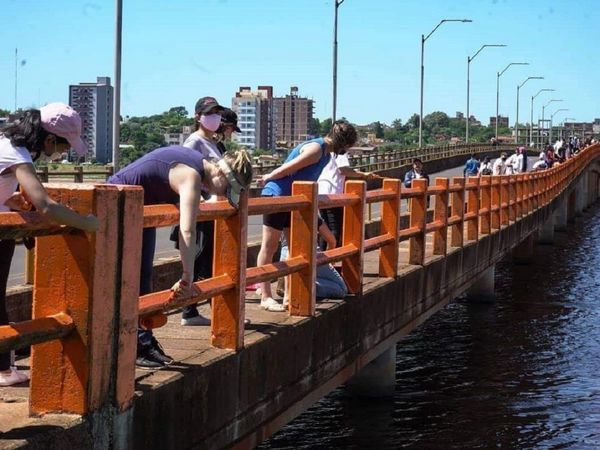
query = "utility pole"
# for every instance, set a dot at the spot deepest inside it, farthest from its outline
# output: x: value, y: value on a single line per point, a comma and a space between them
x: 117, y: 88
x: 336, y: 5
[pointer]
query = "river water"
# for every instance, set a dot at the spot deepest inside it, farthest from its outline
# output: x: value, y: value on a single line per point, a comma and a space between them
x: 521, y: 373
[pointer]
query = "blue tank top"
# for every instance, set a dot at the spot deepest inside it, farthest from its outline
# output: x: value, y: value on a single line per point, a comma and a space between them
x: 283, y: 186
x: 151, y: 172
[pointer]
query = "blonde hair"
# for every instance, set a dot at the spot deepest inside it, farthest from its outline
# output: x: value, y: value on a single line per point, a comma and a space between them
x: 343, y: 135
x: 241, y: 165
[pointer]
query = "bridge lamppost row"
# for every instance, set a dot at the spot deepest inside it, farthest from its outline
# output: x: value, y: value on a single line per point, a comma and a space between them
x: 552, y: 118
x: 531, y: 124
x: 423, y: 39
x: 336, y: 5
x: 469, y: 60
x: 517, y: 118
x: 498, y: 75
x: 544, y: 109
x: 116, y: 140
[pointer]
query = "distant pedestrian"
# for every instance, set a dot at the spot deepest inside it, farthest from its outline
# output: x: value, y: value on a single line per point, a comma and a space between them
x: 471, y: 167
x: 520, y: 163
x: 53, y: 128
x: 499, y: 167
x: 511, y: 165
x: 540, y: 164
x: 416, y: 173
x: 486, y: 167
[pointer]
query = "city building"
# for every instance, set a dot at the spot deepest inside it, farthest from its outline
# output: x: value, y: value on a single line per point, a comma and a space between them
x: 94, y: 103
x: 582, y: 129
x: 255, y: 117
x: 292, y: 116
x: 178, y: 138
x: 502, y: 121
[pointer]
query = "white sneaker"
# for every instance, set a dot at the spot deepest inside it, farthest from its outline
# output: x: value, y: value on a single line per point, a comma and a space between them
x: 258, y: 291
x: 15, y: 377
x: 197, y: 321
x: 268, y: 304
x: 286, y: 303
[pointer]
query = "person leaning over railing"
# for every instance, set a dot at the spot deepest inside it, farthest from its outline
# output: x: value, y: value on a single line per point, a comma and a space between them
x: 53, y: 128
x: 208, y: 120
x: 177, y: 175
x: 304, y: 163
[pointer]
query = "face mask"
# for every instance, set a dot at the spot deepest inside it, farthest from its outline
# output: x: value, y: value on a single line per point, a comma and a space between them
x: 211, y: 121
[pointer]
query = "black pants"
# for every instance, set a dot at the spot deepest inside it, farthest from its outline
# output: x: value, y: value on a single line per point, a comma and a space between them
x: 203, y: 264
x: 334, y: 218
x: 7, y: 250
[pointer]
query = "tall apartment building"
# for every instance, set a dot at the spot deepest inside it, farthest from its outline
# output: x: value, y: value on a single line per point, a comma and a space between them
x: 292, y: 116
x: 254, y: 110
x: 94, y: 103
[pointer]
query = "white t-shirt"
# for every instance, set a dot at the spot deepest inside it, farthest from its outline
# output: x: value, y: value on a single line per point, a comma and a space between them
x: 511, y: 162
x: 519, y: 163
x: 498, y: 167
x: 207, y: 148
x: 10, y: 156
x: 331, y: 180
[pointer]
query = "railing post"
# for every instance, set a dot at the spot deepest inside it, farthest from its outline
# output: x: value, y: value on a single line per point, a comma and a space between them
x: 110, y: 170
x: 131, y: 223
x: 440, y: 213
x: 390, y: 223
x: 418, y: 219
x: 458, y: 209
x: 228, y: 309
x: 42, y: 173
x: 495, y: 201
x: 486, y: 204
x: 518, y: 196
x: 78, y: 174
x: 76, y: 273
x: 303, y: 242
x: 512, y: 198
x: 473, y: 207
x: 29, y: 265
x: 354, y: 234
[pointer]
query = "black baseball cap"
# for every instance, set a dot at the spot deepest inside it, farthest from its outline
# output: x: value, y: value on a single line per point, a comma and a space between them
x: 206, y: 104
x: 229, y: 117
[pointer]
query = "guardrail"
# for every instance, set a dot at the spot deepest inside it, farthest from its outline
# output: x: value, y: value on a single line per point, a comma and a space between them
x: 78, y: 174
x: 86, y: 299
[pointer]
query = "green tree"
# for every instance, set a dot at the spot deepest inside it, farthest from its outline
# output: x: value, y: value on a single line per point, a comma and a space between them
x: 377, y: 128
x: 326, y: 127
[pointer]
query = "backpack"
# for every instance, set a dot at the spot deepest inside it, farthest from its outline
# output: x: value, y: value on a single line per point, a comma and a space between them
x: 486, y: 171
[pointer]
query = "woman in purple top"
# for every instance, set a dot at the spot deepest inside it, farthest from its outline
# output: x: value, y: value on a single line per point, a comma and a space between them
x: 179, y: 176
x: 304, y: 163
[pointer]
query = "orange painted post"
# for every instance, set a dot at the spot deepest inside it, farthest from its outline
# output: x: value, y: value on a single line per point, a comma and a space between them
x: 303, y: 242
x: 440, y: 214
x: 473, y: 208
x: 512, y: 198
x: 390, y: 223
x: 458, y: 210
x: 354, y: 234
x: 76, y: 274
x: 518, y: 196
x: 495, y: 202
x: 486, y: 204
x: 29, y: 265
x: 228, y: 309
x: 418, y: 219
x: 131, y: 222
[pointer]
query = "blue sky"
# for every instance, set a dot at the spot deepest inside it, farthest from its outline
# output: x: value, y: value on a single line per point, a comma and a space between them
x: 179, y: 50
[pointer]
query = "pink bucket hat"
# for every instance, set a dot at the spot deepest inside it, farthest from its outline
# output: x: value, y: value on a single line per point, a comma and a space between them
x: 63, y: 121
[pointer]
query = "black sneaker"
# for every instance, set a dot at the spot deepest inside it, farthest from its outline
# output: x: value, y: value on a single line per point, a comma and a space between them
x: 159, y: 353
x: 146, y: 358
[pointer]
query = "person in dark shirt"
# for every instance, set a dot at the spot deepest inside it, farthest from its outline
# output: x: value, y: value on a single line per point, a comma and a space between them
x: 471, y: 167
x: 178, y: 175
x: 415, y: 173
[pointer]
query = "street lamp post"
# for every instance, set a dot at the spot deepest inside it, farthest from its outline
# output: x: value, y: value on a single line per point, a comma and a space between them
x: 498, y: 75
x: 469, y: 60
x: 517, y: 118
x: 532, y: 99
x: 552, y: 118
x: 544, y: 110
x: 336, y: 5
x: 117, y: 88
x: 423, y: 39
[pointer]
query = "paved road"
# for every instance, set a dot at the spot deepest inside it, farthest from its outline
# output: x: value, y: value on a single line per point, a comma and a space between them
x: 164, y: 247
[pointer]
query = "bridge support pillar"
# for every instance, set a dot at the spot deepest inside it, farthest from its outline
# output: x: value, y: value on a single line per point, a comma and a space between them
x: 547, y: 232
x: 483, y: 289
x: 580, y: 203
x: 376, y: 379
x: 523, y: 253
x: 560, y: 215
